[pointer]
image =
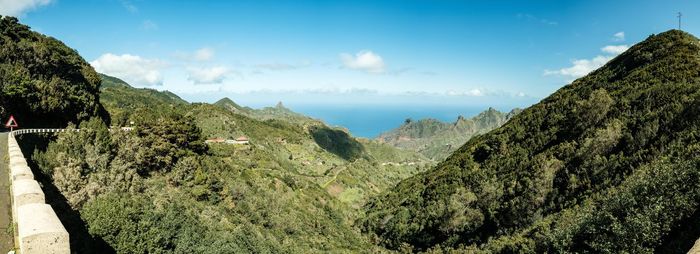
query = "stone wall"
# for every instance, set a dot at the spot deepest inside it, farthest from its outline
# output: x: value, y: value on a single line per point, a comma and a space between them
x: 38, y: 228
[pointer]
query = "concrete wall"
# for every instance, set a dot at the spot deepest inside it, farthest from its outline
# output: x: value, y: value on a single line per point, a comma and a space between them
x: 696, y: 248
x: 37, y: 226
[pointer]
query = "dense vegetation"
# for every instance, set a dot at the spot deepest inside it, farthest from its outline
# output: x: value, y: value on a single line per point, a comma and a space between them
x: 122, y: 100
x: 43, y: 83
x: 607, y: 164
x: 159, y: 188
x: 437, y: 140
x: 348, y: 168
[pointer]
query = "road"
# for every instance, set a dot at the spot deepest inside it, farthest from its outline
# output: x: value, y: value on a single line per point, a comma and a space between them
x: 6, y: 233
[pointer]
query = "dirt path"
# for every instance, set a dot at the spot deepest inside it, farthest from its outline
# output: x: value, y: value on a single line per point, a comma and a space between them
x: 6, y: 233
x: 334, y: 177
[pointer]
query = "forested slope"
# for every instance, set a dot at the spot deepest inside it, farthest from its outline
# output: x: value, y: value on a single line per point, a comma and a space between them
x: 122, y: 101
x: 608, y: 163
x: 44, y: 83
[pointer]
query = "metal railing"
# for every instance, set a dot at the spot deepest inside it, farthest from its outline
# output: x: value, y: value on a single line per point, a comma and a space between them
x: 56, y: 130
x: 26, y: 131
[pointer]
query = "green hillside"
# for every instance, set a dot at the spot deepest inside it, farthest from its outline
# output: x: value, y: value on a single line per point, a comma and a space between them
x: 44, y: 83
x: 437, y: 140
x: 299, y: 186
x: 285, y: 192
x: 122, y: 100
x: 329, y: 157
x: 147, y: 95
x: 607, y: 164
x: 279, y: 112
x: 230, y: 105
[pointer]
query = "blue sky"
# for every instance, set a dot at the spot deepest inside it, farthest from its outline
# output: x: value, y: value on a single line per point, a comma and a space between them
x: 471, y: 53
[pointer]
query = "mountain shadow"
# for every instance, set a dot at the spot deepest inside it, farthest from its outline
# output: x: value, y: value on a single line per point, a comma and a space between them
x: 81, y: 241
x: 337, y: 142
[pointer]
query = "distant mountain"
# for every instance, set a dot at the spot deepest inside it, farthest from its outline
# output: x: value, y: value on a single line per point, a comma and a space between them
x: 279, y: 112
x: 607, y: 164
x: 44, y: 83
x: 436, y: 140
x: 229, y: 104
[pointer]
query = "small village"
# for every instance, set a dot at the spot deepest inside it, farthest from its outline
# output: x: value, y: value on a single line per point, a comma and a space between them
x: 242, y: 140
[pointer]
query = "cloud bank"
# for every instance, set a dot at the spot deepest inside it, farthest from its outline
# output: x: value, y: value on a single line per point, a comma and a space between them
x: 614, y: 49
x: 131, y: 68
x: 619, y: 36
x: 581, y: 67
x: 364, y: 60
x: 213, y: 75
x: 20, y: 7
x: 204, y: 54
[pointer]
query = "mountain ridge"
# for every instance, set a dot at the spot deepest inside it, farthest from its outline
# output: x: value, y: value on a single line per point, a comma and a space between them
x: 552, y: 179
x: 279, y: 111
x: 436, y: 139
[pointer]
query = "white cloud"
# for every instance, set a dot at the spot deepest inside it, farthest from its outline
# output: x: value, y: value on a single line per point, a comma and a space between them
x: 214, y: 75
x: 472, y: 92
x: 619, y: 36
x: 581, y: 67
x: 204, y: 54
x: 364, y: 60
x: 200, y: 55
x: 334, y: 91
x: 464, y: 93
x: 149, y: 25
x: 133, y: 69
x: 615, y: 49
x: 20, y: 7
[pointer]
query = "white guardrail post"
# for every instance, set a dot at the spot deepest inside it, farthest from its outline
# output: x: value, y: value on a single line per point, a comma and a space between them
x: 38, y: 228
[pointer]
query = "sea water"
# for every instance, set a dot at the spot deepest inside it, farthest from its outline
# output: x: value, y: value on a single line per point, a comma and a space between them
x: 370, y: 121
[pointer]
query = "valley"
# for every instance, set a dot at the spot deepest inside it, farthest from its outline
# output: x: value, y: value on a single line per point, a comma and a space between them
x: 607, y: 163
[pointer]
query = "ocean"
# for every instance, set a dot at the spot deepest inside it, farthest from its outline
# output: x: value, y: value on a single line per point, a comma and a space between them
x: 370, y: 121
